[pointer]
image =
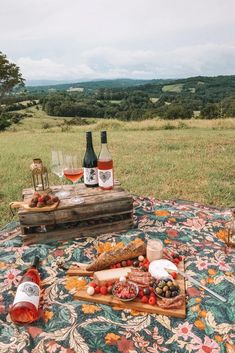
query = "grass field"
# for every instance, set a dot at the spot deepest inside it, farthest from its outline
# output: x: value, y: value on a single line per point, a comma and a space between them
x: 191, y: 160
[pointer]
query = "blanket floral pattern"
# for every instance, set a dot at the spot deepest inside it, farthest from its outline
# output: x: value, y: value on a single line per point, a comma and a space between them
x: 69, y: 326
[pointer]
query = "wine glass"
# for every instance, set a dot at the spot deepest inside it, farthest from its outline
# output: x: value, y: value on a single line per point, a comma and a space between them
x: 73, y: 172
x: 57, y: 167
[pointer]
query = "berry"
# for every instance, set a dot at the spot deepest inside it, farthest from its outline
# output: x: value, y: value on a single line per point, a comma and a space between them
x: 109, y: 283
x: 180, y: 258
x: 152, y: 301
x: 93, y: 284
x: 129, y: 262
x: 110, y: 289
x: 118, y: 265
x: 41, y: 199
x: 97, y: 289
x: 174, y: 275
x: 152, y: 295
x: 176, y: 261
x: 144, y: 299
x: 141, y: 294
x: 103, y: 290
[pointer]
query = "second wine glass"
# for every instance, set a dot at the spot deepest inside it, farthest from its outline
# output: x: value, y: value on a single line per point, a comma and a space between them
x: 73, y: 172
x: 57, y: 167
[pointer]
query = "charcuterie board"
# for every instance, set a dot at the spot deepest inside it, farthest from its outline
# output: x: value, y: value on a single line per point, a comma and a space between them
x: 25, y: 206
x: 136, y: 304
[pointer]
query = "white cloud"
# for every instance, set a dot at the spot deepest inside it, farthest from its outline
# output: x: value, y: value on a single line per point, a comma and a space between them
x: 60, y: 39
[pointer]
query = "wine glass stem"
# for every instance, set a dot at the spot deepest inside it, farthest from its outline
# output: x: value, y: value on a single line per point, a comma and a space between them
x: 75, y: 189
x: 61, y: 183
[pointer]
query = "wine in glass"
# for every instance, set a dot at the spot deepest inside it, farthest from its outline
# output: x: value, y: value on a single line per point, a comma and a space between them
x: 57, y: 167
x: 73, y: 172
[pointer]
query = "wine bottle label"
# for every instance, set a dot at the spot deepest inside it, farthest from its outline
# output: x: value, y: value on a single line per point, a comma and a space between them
x: 28, y: 292
x: 105, y: 178
x: 90, y: 176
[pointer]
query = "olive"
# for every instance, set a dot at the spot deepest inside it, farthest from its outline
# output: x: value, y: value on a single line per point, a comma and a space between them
x: 174, y: 288
x: 165, y: 288
x: 174, y: 294
x: 146, y: 291
x: 152, y: 283
x: 159, y: 290
x: 136, y: 263
x: 163, y: 294
x: 161, y: 284
x: 168, y: 294
x: 169, y: 283
x: 142, y: 268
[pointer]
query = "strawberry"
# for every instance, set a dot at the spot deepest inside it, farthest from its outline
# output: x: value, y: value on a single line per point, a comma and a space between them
x: 110, y: 289
x: 144, y: 299
x: 141, y: 293
x: 152, y: 300
x: 174, y: 275
x: 152, y: 295
x: 129, y: 262
x: 176, y: 261
x: 103, y: 290
x: 97, y: 289
x: 41, y: 199
x: 118, y: 265
x: 92, y: 284
x: 180, y: 258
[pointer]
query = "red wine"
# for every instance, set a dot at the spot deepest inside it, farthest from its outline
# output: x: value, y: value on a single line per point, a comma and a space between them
x: 74, y: 174
x: 25, y: 306
x: 90, y: 163
x: 105, y: 165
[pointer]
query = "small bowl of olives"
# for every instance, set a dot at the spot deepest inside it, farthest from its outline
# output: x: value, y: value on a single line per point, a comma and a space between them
x: 166, y: 288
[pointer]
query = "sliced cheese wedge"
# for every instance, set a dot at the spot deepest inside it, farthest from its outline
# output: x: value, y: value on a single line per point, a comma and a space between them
x: 100, y: 277
x: 157, y: 268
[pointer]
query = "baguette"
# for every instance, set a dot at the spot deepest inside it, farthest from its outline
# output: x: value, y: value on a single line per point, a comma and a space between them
x: 129, y: 251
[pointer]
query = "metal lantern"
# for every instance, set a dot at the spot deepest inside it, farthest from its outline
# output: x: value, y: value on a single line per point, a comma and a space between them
x: 39, y: 175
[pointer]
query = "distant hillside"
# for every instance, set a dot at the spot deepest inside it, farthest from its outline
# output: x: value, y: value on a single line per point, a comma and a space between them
x: 93, y: 85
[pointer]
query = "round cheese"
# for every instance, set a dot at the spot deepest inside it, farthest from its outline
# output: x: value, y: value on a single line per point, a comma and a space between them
x: 158, y: 268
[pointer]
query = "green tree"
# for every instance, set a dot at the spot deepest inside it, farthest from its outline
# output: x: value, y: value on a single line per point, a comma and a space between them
x: 10, y: 76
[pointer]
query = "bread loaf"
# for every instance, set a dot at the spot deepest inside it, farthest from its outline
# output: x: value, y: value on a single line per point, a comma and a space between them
x: 129, y: 251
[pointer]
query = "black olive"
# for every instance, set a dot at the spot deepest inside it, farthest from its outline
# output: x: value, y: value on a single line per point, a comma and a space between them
x: 136, y: 263
x: 174, y: 288
x: 142, y: 268
x: 168, y: 294
x: 146, y: 291
x: 174, y: 294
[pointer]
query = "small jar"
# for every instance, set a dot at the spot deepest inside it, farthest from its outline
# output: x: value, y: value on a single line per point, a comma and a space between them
x: 154, y: 249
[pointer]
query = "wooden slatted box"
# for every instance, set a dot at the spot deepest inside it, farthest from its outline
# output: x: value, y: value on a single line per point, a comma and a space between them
x: 102, y: 212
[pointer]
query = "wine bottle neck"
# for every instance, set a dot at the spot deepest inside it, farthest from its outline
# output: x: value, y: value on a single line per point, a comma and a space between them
x: 35, y: 263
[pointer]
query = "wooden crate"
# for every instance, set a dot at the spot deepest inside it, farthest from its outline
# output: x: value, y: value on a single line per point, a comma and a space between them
x: 102, y: 212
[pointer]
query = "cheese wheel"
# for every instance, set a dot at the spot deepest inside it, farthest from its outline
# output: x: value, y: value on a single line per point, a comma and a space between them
x: 158, y: 268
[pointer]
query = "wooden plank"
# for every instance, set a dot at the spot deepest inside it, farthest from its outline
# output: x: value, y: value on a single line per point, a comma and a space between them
x: 136, y: 304
x: 79, y: 270
x: 76, y: 213
x: 65, y: 234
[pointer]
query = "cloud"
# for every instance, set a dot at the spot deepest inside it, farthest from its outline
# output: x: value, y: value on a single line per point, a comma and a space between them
x: 109, y: 62
x: 59, y: 39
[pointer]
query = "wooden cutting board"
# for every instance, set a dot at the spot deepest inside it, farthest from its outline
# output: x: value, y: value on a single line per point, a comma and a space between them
x: 79, y: 270
x: 136, y: 304
x: 25, y: 206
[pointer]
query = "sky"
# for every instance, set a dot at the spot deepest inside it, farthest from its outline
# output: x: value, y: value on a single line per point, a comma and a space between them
x: 102, y: 39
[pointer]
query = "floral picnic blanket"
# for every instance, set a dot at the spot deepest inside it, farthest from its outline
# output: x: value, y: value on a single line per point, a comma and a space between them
x: 67, y: 325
